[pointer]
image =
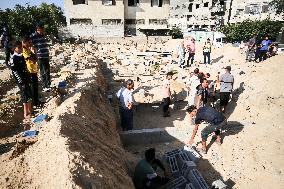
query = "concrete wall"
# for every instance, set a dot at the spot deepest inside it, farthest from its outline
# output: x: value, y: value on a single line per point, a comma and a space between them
x: 95, y: 11
x: 145, y: 11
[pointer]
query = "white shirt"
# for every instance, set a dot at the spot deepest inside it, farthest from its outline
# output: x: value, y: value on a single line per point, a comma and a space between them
x: 193, y: 82
x: 227, y: 81
x: 125, y: 97
x: 167, y: 89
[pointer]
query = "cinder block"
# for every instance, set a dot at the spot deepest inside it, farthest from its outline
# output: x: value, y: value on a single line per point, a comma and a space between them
x: 173, y: 165
x: 179, y: 182
x: 172, y: 153
x: 186, y: 167
x: 184, y: 156
x: 197, y: 180
x: 193, y: 155
x: 219, y: 184
x: 189, y: 186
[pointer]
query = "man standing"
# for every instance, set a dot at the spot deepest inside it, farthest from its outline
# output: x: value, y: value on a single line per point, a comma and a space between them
x: 166, y: 92
x: 226, y: 87
x: 190, y: 50
x: 40, y: 42
x: 250, y: 46
x: 207, y: 51
x: 215, y: 119
x: 264, y: 49
x: 145, y: 176
x: 181, y: 53
x: 125, y: 97
x: 192, y: 84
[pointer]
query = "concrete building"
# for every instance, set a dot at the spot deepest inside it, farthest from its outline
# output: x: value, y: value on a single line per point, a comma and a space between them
x: 253, y: 10
x: 116, y: 17
x: 196, y: 14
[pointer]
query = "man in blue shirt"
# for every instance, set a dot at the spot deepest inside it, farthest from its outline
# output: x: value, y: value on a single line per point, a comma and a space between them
x: 264, y: 48
x: 215, y: 119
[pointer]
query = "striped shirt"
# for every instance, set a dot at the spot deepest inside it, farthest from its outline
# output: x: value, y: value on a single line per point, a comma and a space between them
x: 41, y: 43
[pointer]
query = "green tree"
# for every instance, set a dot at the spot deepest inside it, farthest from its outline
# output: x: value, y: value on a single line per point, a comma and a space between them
x: 278, y: 5
x: 21, y: 20
x: 176, y: 33
x: 245, y: 30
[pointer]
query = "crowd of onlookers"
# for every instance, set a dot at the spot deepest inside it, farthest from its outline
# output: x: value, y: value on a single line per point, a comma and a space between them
x: 25, y: 57
x: 260, y: 50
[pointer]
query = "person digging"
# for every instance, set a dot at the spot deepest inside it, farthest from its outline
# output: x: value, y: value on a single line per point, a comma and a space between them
x: 215, y: 119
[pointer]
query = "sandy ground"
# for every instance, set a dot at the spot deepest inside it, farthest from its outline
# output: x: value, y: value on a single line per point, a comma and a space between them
x: 79, y: 147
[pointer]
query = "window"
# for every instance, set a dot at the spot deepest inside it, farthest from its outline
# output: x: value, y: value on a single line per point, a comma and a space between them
x: 77, y: 2
x: 190, y: 7
x: 134, y: 21
x: 206, y: 4
x: 80, y: 21
x: 111, y: 21
x: 197, y: 6
x: 158, y: 21
x: 108, y: 2
x: 133, y: 2
x: 265, y: 8
x: 222, y: 3
x: 156, y: 3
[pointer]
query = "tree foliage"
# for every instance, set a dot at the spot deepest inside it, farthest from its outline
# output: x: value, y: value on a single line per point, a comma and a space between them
x: 22, y: 20
x: 176, y: 33
x: 278, y: 5
x: 245, y: 30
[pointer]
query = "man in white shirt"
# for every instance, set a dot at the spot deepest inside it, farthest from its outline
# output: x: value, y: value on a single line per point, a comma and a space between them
x: 192, y: 84
x: 166, y: 92
x: 125, y: 97
x: 226, y: 87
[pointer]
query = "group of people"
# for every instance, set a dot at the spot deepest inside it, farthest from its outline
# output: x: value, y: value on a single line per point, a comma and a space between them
x: 24, y: 57
x: 260, y: 49
x: 199, y: 108
x: 187, y: 48
x: 202, y: 96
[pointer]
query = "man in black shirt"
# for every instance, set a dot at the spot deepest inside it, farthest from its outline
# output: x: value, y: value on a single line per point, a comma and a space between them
x: 215, y: 119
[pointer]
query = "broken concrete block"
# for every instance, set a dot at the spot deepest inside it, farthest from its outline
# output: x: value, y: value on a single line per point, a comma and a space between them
x: 219, y: 184
x: 197, y: 180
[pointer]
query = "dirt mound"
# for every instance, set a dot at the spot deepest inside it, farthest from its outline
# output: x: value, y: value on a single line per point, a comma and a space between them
x: 79, y: 147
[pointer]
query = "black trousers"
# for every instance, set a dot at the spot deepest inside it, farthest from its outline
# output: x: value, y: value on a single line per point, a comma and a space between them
x: 34, y: 88
x: 44, y: 67
x: 191, y: 58
x: 166, y: 104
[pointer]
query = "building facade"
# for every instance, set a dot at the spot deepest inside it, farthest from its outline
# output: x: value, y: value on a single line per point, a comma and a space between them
x: 118, y: 18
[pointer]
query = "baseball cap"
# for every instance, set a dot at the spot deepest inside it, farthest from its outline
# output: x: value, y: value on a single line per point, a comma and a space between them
x: 228, y: 68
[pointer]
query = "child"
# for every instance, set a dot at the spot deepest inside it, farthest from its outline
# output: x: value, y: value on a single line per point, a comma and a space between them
x: 20, y: 73
x: 30, y: 57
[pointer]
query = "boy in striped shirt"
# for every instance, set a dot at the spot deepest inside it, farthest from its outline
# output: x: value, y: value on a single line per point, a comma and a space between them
x: 41, y: 44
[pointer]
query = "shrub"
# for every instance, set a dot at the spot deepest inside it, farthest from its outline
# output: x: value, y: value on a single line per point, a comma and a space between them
x: 245, y: 30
